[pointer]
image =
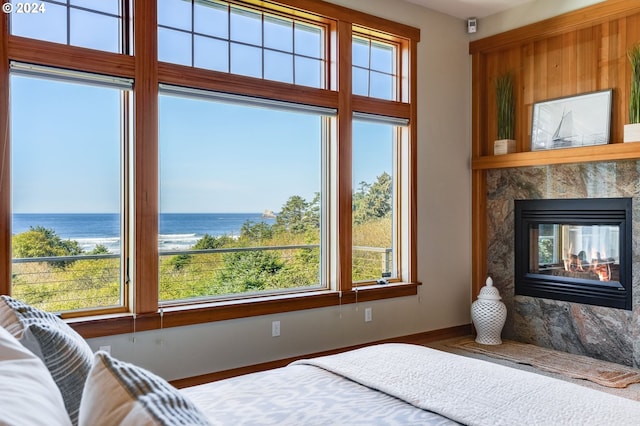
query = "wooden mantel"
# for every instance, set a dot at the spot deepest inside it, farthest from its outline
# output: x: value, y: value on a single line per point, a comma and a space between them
x: 574, y: 53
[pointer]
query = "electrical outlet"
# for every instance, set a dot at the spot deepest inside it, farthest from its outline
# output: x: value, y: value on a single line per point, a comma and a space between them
x: 275, y: 329
x: 106, y: 348
x: 367, y: 314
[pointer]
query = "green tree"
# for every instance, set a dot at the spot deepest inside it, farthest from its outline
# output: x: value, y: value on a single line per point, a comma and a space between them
x: 42, y: 242
x: 298, y: 215
x: 209, y: 242
x: 100, y: 249
x: 255, y: 232
x: 373, y: 201
x: 250, y: 270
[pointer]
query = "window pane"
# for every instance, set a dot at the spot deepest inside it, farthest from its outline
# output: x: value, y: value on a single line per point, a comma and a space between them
x: 246, y: 26
x: 174, y: 46
x: 278, y: 66
x: 374, y: 68
x: 246, y: 60
x: 242, y: 183
x: 308, y: 72
x: 175, y: 14
x: 107, y: 6
x: 66, y: 194
x: 360, y: 83
x: 373, y: 202
x: 212, y: 19
x: 211, y: 54
x: 308, y: 40
x: 382, y: 57
x: 360, y: 52
x: 95, y: 31
x: 48, y: 26
x: 84, y: 23
x: 278, y: 34
x: 381, y: 86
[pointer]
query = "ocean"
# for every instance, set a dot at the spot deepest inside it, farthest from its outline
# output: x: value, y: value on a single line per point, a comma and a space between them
x: 178, y: 231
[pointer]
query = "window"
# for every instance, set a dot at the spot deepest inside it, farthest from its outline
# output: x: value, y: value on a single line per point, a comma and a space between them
x: 374, y: 205
x: 209, y: 169
x: 226, y: 37
x: 84, y: 23
x: 67, y: 188
x: 240, y: 196
x: 374, y: 68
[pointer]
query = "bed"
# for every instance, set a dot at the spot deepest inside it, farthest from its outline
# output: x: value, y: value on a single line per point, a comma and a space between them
x: 403, y: 384
x: 50, y: 376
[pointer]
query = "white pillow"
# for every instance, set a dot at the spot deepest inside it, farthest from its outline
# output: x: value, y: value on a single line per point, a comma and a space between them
x: 28, y: 394
x: 64, y: 352
x: 119, y: 393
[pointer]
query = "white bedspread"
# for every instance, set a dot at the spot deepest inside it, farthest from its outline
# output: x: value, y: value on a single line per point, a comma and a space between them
x: 477, y: 392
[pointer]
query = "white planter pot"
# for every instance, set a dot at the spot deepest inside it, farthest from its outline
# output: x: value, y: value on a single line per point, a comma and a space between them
x: 632, y: 132
x: 504, y: 146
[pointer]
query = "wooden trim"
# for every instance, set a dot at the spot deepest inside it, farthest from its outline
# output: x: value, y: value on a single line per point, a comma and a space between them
x: 381, y: 107
x: 585, y: 154
x: 334, y: 11
x: 582, y: 18
x: 416, y: 339
x: 5, y: 161
x: 178, y: 316
x: 345, y: 158
x: 145, y: 273
x: 413, y: 162
x: 184, y: 76
x: 478, y: 231
x: 72, y: 57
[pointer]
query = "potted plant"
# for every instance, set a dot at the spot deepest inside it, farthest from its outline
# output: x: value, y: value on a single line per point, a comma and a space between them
x: 505, y: 103
x: 632, y: 130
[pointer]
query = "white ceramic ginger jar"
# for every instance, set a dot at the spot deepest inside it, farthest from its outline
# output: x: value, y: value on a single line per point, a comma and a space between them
x: 488, y: 314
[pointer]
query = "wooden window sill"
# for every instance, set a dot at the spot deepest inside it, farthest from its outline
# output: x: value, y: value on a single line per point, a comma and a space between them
x: 106, y: 325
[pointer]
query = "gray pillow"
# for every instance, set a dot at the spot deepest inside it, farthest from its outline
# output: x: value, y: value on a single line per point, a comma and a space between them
x: 65, y: 353
x: 119, y: 393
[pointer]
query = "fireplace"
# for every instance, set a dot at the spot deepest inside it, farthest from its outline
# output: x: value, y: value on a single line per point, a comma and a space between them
x: 575, y: 250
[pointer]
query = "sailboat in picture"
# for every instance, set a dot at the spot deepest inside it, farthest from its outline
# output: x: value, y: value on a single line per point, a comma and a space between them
x: 563, y: 136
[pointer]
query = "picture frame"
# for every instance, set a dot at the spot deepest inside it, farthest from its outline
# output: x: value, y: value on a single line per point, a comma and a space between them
x: 572, y: 121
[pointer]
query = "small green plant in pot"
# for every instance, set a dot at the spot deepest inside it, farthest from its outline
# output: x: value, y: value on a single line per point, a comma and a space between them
x: 632, y: 130
x: 506, y: 116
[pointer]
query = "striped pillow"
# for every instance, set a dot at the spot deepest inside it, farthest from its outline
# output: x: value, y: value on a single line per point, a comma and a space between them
x: 120, y: 393
x: 65, y: 353
x: 28, y: 394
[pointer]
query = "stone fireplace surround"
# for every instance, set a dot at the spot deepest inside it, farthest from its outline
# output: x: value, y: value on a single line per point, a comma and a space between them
x: 604, y: 333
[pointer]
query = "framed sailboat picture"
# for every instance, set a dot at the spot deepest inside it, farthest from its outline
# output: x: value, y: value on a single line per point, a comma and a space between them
x: 572, y: 121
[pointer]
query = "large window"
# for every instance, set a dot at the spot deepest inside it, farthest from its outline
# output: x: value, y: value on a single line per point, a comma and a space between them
x: 240, y: 197
x: 207, y: 166
x: 67, y: 188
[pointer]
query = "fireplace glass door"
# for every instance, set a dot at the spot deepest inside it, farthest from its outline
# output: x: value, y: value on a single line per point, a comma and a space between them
x: 574, y: 250
x: 590, y: 252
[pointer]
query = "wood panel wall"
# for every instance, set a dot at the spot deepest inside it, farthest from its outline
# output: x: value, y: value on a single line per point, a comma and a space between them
x: 583, y: 58
x: 578, y: 52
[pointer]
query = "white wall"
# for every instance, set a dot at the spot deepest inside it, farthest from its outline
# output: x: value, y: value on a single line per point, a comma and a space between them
x: 444, y: 216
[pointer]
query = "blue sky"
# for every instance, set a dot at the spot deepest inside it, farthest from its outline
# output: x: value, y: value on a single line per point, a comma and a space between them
x: 214, y: 157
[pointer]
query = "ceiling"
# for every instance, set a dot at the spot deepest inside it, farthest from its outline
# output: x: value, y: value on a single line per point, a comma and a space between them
x: 464, y: 9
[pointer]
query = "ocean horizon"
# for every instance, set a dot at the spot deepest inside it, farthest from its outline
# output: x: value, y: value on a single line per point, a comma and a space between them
x: 177, y: 231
